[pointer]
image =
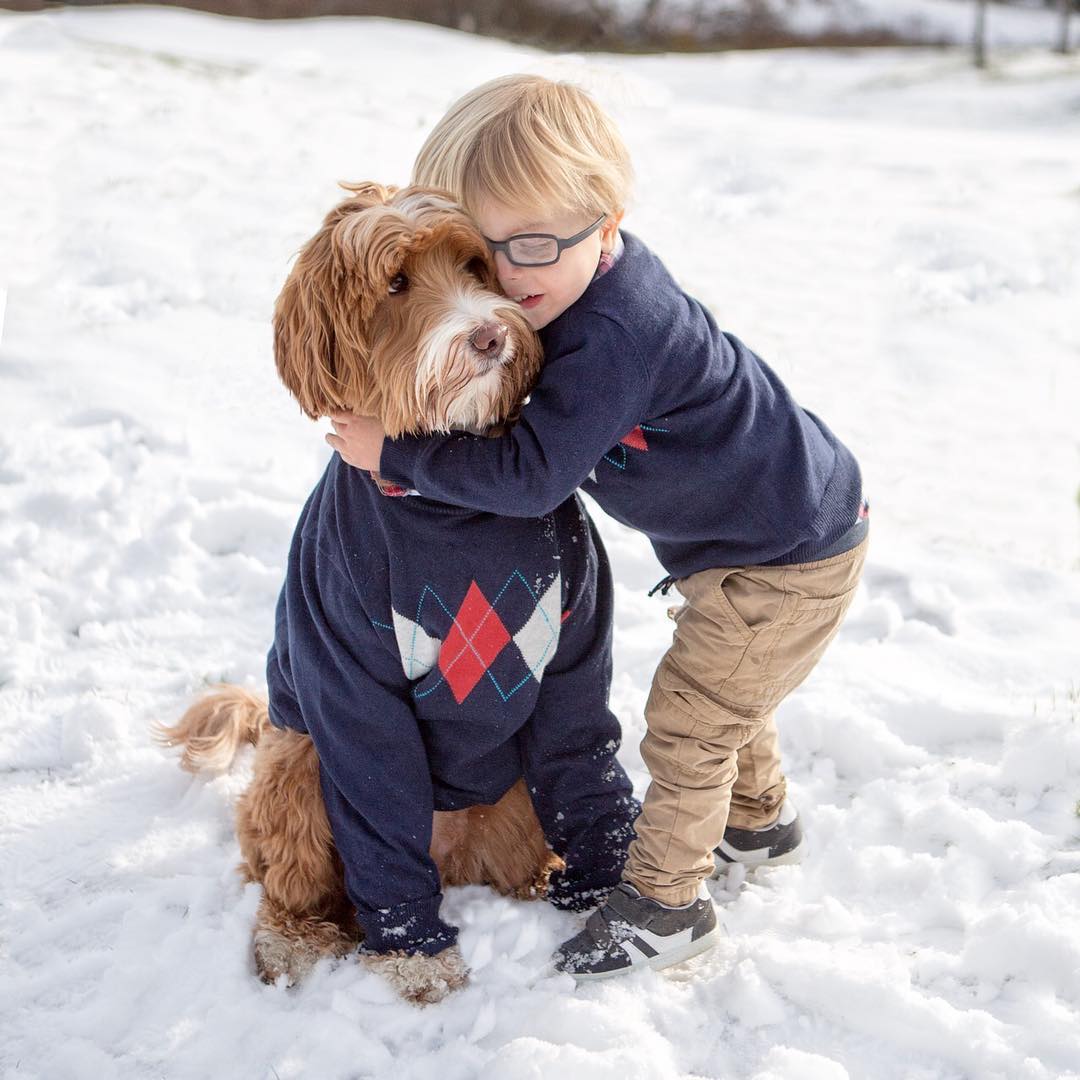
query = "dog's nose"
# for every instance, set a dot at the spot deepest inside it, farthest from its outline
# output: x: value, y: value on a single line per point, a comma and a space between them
x: 488, y: 338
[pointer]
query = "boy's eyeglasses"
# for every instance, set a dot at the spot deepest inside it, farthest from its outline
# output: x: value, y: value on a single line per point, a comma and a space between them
x: 539, y: 249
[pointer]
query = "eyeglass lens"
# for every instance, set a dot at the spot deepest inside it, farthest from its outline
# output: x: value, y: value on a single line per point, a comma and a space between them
x: 534, y: 249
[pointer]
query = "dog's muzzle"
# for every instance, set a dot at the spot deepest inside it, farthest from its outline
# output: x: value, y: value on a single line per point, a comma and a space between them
x: 488, y: 342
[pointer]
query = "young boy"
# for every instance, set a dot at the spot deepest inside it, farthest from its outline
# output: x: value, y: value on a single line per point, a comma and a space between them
x: 751, y: 503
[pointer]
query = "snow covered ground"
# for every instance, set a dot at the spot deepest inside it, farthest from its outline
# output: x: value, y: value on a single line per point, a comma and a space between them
x: 895, y: 233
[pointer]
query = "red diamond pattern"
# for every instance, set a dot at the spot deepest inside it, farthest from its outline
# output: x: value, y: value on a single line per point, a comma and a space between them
x: 635, y: 440
x: 476, y: 638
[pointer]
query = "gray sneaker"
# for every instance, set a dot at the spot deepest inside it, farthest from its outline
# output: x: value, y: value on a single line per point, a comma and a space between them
x: 629, y: 931
x: 780, y: 844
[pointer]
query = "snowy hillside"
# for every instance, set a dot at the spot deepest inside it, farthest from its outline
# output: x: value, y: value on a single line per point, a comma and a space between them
x: 894, y: 233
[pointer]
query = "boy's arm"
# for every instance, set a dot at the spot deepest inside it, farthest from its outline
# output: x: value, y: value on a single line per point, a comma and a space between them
x: 586, y: 400
x: 328, y: 673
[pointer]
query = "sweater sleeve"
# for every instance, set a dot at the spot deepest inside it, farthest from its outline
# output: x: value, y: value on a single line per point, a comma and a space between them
x: 589, y: 396
x: 329, y: 674
x: 581, y: 793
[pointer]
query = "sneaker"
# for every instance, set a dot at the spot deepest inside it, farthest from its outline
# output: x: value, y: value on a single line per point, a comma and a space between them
x: 629, y: 930
x: 779, y: 844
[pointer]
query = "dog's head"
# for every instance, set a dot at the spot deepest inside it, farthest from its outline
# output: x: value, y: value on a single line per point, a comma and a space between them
x: 392, y: 309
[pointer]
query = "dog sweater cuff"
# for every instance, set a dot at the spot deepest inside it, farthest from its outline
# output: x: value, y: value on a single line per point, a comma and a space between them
x: 580, y: 896
x: 413, y: 927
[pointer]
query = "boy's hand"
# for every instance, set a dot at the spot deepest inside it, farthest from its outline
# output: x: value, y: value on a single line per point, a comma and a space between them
x: 358, y: 440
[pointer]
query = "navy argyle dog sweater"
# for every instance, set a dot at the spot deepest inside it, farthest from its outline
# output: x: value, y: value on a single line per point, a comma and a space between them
x: 435, y: 655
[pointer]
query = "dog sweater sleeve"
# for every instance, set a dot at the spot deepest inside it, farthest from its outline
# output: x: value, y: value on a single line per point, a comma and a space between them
x: 329, y: 666
x: 581, y: 794
x: 589, y: 395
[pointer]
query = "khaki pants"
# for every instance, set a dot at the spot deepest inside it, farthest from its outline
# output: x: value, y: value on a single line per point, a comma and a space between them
x: 744, y: 639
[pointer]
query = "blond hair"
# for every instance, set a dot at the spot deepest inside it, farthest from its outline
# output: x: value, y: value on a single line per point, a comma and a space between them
x: 526, y: 142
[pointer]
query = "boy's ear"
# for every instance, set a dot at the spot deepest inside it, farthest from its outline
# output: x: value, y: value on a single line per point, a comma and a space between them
x: 609, y: 229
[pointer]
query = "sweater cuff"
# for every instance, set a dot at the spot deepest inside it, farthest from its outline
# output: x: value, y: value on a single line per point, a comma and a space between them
x: 397, y: 460
x: 574, y: 894
x: 413, y: 927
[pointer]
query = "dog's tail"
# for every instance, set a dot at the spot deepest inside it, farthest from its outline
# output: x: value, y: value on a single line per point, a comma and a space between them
x: 215, y: 727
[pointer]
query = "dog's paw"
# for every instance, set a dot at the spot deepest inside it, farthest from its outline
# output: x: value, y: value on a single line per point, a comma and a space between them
x: 277, y: 955
x: 537, y: 889
x: 418, y: 978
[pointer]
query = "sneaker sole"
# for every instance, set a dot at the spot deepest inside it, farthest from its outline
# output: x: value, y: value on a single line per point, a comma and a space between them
x: 660, y: 961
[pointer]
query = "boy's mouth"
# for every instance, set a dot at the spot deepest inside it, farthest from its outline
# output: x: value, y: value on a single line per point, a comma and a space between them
x: 528, y: 300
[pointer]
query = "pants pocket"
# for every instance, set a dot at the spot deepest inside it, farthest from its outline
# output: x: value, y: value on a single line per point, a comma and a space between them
x: 710, y: 635
x: 823, y: 605
x: 828, y: 587
x: 682, y: 708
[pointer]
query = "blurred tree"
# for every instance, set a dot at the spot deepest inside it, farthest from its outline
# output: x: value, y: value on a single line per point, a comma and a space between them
x: 980, y: 33
x: 1065, y: 7
x: 624, y: 25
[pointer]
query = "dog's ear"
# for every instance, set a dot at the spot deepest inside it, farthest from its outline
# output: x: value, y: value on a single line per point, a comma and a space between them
x: 368, y: 191
x: 369, y: 243
x: 321, y: 315
x: 305, y: 344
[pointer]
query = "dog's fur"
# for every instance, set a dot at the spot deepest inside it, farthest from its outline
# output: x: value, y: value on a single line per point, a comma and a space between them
x: 343, y: 342
x: 390, y: 310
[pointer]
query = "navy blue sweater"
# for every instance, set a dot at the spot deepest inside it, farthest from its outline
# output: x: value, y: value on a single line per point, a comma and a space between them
x: 674, y: 427
x: 435, y: 655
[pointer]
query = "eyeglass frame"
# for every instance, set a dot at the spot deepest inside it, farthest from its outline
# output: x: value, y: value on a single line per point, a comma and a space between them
x: 562, y: 245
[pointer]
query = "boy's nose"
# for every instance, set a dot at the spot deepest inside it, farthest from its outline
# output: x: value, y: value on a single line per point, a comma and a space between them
x: 505, y: 269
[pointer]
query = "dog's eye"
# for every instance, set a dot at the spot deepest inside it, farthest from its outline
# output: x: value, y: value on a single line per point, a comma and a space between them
x: 478, y: 268
x: 398, y: 284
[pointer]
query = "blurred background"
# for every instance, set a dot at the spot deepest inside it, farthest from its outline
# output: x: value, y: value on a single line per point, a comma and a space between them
x: 684, y: 25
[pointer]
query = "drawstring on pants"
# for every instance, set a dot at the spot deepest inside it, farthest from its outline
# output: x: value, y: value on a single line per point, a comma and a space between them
x: 662, y: 586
